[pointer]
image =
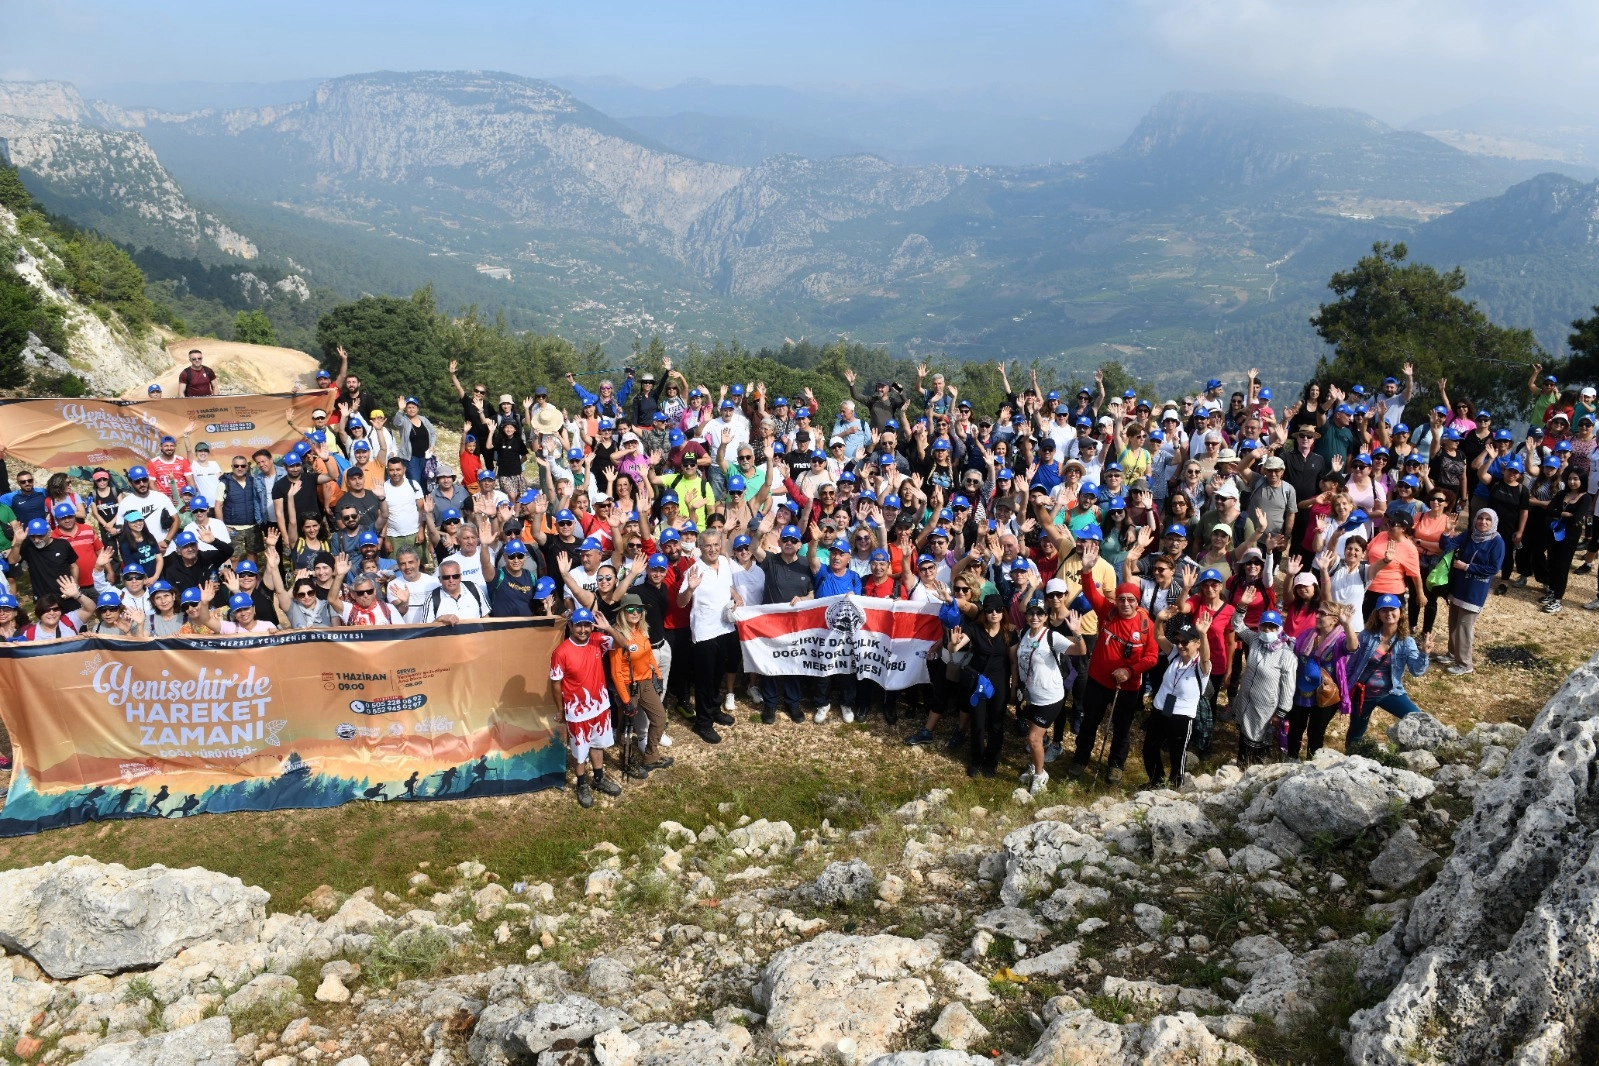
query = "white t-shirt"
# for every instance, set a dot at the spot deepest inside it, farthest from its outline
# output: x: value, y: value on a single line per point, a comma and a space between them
x: 1036, y: 664
x: 1349, y: 586
x: 471, y: 569
x: 465, y: 606
x: 260, y: 625
x: 714, y: 593
x: 207, y: 479
x: 417, y: 590
x: 751, y: 584
x: 405, y: 513
x: 149, y: 506
x: 1182, y: 680
x: 582, y: 579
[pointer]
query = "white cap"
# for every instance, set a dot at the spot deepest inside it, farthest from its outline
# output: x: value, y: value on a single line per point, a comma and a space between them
x: 1588, y: 392
x: 1228, y: 488
x: 1055, y: 585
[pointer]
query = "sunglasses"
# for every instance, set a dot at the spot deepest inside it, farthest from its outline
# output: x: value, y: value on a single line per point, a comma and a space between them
x: 366, y: 592
x: 633, y: 610
x: 449, y: 577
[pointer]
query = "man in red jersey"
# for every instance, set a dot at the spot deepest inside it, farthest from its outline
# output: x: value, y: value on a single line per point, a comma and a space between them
x: 578, y: 663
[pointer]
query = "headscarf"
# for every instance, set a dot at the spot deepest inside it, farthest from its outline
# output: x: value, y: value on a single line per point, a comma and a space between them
x: 1477, y: 535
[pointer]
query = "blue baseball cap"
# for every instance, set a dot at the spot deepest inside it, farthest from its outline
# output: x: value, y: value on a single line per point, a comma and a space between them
x: 1019, y: 563
x: 668, y: 497
x: 409, y: 400
x: 545, y: 587
x: 941, y: 445
x: 573, y: 454
x: 244, y: 567
x: 563, y: 515
x: 670, y: 536
x: 108, y: 598
x: 781, y: 401
x: 1411, y: 480
x: 735, y: 483
x: 891, y: 500
x: 1117, y: 503
x: 153, y: 388
x: 802, y: 412
x: 64, y: 510
x: 675, y: 438
x: 1484, y: 416
x: 1156, y: 435
x: 1358, y: 390
x: 688, y: 527
x: 1390, y: 380
x: 1401, y: 428
x: 582, y: 616
x: 878, y: 556
x: 135, y: 570
x: 363, y: 446
x: 1271, y: 618
x: 167, y: 438
x: 790, y: 532
x: 737, y: 390
x: 190, y: 595
x: 591, y: 544
x: 741, y: 541
x: 606, y: 423
x: 199, y: 503
x: 1177, y: 529
x: 450, y: 515
x: 1265, y: 394
x: 1451, y: 433
x: 950, y: 615
x: 186, y: 539
x: 1388, y: 600
x: 924, y: 559
x: 515, y: 547
x: 946, y: 515
x: 1213, y: 383
x: 8, y: 600
x: 240, y: 601
x: 1210, y: 575
x: 162, y: 585
x: 1003, y: 474
x: 728, y: 405
x: 1356, y: 519
x: 960, y: 502
x: 1516, y: 465
x: 138, y: 473
x: 1361, y: 459
x: 1551, y: 462
x: 660, y: 416
x: 1343, y: 409
x: 319, y: 435
x: 1084, y: 422
x: 1087, y: 490
x: 367, y: 539
x: 488, y: 475
x: 1090, y: 532
x: 528, y: 497
x: 1503, y: 434
x: 658, y: 562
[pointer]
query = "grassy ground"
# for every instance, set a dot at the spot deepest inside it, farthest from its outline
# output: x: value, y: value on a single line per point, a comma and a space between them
x: 800, y: 773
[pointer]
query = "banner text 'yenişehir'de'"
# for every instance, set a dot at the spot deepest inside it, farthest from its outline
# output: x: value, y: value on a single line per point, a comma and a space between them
x: 879, y: 640
x: 79, y: 434
x: 111, y: 728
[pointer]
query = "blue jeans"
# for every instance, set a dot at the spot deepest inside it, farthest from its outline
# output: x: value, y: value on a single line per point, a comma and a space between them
x: 791, y: 693
x: 416, y: 470
x: 1395, y: 703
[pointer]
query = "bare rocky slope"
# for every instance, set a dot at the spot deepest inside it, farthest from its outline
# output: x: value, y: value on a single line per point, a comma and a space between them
x: 1215, y: 924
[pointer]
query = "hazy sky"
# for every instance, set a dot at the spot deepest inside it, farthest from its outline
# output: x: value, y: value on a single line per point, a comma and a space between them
x: 1395, y: 58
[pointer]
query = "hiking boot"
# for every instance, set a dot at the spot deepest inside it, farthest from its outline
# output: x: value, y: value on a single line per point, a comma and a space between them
x: 1592, y: 605
x: 1076, y: 770
x: 848, y: 714
x: 768, y: 717
x: 1114, y: 776
x: 989, y: 771
x: 1501, y: 589
x: 585, y: 794
x: 709, y: 735
x: 1459, y: 670
x: 1443, y: 658
x: 637, y: 772
x: 1039, y: 783
x: 607, y: 786
x: 1520, y: 581
x: 722, y: 718
x: 1551, y: 607
x: 921, y: 736
x: 890, y: 719
x: 659, y: 764
x: 1585, y: 568
x: 821, y: 713
x: 796, y: 715
x: 1052, y: 752
x: 956, y: 740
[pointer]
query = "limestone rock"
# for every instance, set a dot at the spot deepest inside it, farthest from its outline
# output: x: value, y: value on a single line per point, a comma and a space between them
x: 602, y: 882
x: 1035, y: 854
x: 836, y: 987
x: 78, y: 916
x: 841, y: 884
x: 1056, y: 962
x: 264, y: 991
x: 568, y: 1021
x: 891, y: 889
x: 761, y: 834
x: 941, y: 1057
x: 332, y: 990
x: 1345, y: 797
x: 210, y: 1043
x: 22, y: 998
x: 1423, y: 732
x: 614, y: 1047
x: 694, y: 1044
x: 959, y: 1028
x: 1177, y: 827
x: 1403, y: 859
x: 964, y: 982
x: 1014, y: 923
x: 1150, y: 919
x: 1163, y: 997
x: 490, y: 900
x: 607, y: 977
x: 1495, y: 961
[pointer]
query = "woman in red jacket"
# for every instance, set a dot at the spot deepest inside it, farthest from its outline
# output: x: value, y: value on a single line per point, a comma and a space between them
x: 1125, y: 649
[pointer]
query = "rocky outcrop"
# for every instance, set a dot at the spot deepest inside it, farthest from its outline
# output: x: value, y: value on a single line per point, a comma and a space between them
x: 1497, y: 959
x: 1346, y: 798
x: 79, y: 916
x: 207, y: 1043
x: 865, y: 990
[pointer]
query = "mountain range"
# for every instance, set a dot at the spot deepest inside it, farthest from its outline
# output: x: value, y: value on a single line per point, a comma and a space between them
x: 1211, y: 230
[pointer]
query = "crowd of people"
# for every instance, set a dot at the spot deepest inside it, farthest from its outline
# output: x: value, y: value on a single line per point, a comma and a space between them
x: 1095, y: 556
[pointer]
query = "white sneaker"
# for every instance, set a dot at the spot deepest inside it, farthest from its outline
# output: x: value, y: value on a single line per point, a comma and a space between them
x: 666, y: 741
x: 755, y: 695
x: 729, y: 704
x: 1443, y: 658
x: 1040, y: 782
x: 1459, y: 669
x: 848, y: 714
x: 1027, y: 775
x: 1552, y: 607
x: 821, y: 713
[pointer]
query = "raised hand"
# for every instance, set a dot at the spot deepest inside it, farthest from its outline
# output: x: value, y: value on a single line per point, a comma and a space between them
x: 1203, y: 621
x: 68, y: 587
x: 1249, y: 596
x: 849, y: 375
x: 1324, y: 560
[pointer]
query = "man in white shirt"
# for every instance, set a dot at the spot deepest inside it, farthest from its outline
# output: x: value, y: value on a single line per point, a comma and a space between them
x: 730, y: 424
x: 157, y: 509
x: 410, y: 585
x: 707, y: 592
x: 587, y: 576
x: 406, y: 502
x: 454, y: 600
x: 200, y: 515
x: 472, y: 557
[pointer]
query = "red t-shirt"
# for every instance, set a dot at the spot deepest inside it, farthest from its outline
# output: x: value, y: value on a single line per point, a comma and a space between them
x: 169, y: 474
x: 580, y: 669
x: 883, y: 589
x: 196, y: 380
x: 676, y: 617
x: 1221, y: 623
x: 86, y: 543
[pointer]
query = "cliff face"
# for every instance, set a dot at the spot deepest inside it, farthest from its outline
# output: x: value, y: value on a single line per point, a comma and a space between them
x: 112, y: 181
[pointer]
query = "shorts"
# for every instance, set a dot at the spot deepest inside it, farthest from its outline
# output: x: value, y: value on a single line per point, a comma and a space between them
x: 1043, y: 715
x: 247, y: 540
x: 596, y: 733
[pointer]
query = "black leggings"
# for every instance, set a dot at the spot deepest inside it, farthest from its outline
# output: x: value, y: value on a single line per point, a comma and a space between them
x: 1166, y: 735
x: 987, y: 735
x: 682, y: 644
x: 1561, y: 553
x: 1317, y: 720
x: 1123, y: 706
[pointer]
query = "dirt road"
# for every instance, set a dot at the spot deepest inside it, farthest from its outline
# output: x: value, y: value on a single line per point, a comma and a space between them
x: 241, y: 368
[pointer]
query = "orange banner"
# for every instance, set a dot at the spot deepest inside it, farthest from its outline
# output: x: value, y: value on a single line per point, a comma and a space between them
x: 67, y: 434
x: 113, y: 728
